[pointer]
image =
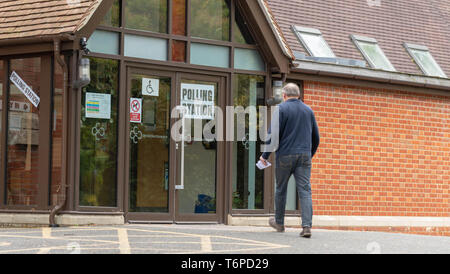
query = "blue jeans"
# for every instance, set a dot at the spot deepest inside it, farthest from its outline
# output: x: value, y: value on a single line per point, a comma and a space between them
x: 298, y: 165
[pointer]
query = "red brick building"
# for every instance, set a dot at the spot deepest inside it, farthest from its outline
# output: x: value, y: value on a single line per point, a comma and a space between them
x: 374, y: 72
x: 385, y: 138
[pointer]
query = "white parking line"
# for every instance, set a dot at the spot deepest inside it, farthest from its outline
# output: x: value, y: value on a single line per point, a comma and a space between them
x: 124, y: 244
x: 206, y: 243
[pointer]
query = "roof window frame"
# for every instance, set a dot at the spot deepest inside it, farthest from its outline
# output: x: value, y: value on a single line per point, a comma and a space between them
x: 298, y: 30
x: 410, y: 47
x: 358, y: 38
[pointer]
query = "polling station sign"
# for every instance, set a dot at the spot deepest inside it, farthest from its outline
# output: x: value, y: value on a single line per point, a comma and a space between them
x: 25, y: 89
x: 198, y: 100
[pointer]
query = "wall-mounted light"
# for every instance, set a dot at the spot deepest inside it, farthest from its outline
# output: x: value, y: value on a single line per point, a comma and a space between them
x: 277, y: 87
x: 84, y: 73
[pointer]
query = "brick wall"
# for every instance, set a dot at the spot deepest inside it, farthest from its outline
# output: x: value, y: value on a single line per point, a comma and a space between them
x: 382, y: 152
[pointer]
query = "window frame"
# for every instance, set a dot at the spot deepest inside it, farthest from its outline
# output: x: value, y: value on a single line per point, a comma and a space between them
x: 188, y: 39
x: 298, y: 31
x: 411, y: 47
x: 357, y: 39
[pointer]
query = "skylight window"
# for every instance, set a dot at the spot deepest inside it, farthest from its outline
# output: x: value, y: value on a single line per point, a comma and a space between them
x: 313, y: 42
x: 372, y: 52
x: 424, y: 60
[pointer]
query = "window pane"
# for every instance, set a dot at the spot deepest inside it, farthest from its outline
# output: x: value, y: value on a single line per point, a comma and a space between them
x: 56, y: 191
x: 178, y: 51
x: 98, y: 140
x: 179, y: 17
x: 149, y: 15
x: 248, y: 59
x: 145, y: 47
x: 149, y: 183
x: 376, y: 56
x: 210, y: 19
x: 104, y: 42
x: 112, y: 18
x: 427, y: 63
x: 209, y: 55
x: 23, y: 136
x: 316, y: 45
x: 248, y: 181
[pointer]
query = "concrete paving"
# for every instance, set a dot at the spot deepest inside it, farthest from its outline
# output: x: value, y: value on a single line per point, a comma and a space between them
x: 210, y: 239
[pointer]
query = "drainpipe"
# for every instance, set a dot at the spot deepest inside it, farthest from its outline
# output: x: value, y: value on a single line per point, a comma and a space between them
x: 63, y: 188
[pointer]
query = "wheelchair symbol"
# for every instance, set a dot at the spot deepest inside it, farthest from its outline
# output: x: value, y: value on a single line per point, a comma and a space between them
x: 150, y: 89
x: 98, y: 132
x: 135, y: 135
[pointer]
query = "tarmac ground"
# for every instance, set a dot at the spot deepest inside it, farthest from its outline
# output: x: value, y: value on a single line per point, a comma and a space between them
x: 210, y: 239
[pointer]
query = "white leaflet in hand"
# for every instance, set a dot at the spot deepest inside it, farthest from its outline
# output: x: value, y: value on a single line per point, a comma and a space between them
x: 260, y: 165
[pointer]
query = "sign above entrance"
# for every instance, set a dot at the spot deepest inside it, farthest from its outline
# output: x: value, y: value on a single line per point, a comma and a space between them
x: 198, y: 100
x: 135, y: 110
x: 25, y: 89
x: 150, y: 87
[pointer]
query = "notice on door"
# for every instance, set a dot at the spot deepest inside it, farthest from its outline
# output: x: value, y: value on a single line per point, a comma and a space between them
x: 198, y: 100
x: 25, y: 89
x: 98, y: 105
x: 135, y: 110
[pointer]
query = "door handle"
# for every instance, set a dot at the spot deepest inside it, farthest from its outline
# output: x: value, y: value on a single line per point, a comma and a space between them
x: 181, y: 185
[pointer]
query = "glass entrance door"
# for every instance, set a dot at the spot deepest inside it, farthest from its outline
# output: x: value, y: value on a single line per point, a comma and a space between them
x: 197, y: 191
x: 149, y: 188
x: 169, y: 179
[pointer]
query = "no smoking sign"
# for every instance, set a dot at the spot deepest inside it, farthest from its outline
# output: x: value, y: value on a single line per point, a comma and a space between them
x: 135, y: 110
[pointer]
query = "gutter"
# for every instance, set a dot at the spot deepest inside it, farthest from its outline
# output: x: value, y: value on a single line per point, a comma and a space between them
x: 367, y: 74
x: 64, y: 188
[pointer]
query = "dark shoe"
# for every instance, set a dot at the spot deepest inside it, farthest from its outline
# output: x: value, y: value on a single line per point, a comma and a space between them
x: 306, y: 233
x: 273, y: 223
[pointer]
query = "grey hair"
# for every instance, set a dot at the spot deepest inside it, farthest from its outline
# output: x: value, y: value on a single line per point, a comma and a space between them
x: 291, y: 90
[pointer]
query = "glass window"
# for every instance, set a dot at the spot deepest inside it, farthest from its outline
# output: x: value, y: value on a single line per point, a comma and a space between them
x: 313, y: 41
x: 57, y: 136
x: 241, y: 32
x: 98, y: 140
x: 248, y: 181
x: 179, y: 17
x: 149, y: 183
x: 145, y: 47
x: 425, y: 60
x: 112, y: 18
x: 372, y: 53
x: 210, y: 19
x: 148, y: 15
x: 104, y: 42
x: 210, y: 55
x: 23, y: 135
x: 248, y: 59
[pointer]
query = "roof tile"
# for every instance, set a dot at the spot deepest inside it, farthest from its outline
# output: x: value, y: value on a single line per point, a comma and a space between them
x: 391, y: 23
x: 32, y: 18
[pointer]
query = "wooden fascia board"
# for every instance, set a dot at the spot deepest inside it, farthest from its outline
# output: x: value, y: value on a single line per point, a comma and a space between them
x: 264, y: 34
x: 95, y: 19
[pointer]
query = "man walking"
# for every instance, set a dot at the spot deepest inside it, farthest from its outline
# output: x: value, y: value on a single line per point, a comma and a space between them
x: 298, y: 142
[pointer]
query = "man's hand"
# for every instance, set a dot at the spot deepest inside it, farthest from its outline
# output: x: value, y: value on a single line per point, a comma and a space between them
x: 264, y: 161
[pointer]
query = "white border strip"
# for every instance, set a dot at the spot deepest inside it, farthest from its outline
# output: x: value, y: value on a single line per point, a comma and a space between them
x: 346, y: 221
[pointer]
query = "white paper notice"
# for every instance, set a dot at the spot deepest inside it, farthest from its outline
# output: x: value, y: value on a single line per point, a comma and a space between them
x: 260, y: 165
x: 25, y: 89
x: 98, y: 105
x: 150, y: 87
